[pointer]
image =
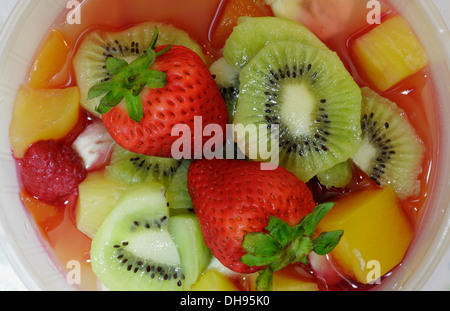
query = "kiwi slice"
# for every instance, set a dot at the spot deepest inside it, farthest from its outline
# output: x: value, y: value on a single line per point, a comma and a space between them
x: 391, y: 152
x: 177, y: 190
x: 90, y: 60
x: 194, y: 255
x: 135, y: 250
x: 253, y: 33
x: 339, y: 176
x: 129, y: 168
x: 310, y: 96
x: 227, y: 79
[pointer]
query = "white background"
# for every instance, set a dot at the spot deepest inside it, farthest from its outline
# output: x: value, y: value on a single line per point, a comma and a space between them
x: 439, y: 281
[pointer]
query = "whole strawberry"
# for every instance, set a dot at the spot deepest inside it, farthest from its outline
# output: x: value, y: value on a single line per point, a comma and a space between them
x: 166, y: 86
x: 233, y: 198
x: 51, y: 170
x: 256, y: 220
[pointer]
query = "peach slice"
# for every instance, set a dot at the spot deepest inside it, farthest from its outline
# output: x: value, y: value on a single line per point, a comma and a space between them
x: 42, y: 114
x: 47, y: 69
x: 46, y: 216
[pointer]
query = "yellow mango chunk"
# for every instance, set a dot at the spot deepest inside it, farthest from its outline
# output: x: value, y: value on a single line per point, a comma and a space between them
x: 212, y: 280
x: 284, y: 281
x: 389, y: 53
x: 377, y: 233
x: 49, y: 62
x: 42, y: 114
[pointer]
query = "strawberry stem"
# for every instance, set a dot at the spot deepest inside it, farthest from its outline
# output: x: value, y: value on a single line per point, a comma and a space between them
x: 285, y: 245
x: 128, y: 80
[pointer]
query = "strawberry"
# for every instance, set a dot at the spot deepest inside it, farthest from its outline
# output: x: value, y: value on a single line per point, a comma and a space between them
x: 238, y: 205
x: 51, y: 170
x: 164, y: 87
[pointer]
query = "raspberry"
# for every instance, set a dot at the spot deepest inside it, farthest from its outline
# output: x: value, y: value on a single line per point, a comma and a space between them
x: 51, y: 170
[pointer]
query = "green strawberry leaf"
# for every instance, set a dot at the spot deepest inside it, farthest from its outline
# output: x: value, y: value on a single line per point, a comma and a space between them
x: 134, y: 107
x: 154, y: 79
x: 310, y: 222
x: 154, y: 39
x: 284, y: 245
x: 265, y: 280
x: 102, y: 109
x: 280, y: 230
x: 113, y: 98
x: 127, y: 80
x: 260, y: 244
x: 257, y: 261
x: 163, y: 51
x: 114, y: 65
x: 327, y: 241
x: 99, y: 90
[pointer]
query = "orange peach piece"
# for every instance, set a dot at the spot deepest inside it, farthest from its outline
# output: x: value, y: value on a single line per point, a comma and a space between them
x: 42, y: 114
x: 49, y: 62
x: 46, y: 216
x: 377, y: 233
x: 389, y: 53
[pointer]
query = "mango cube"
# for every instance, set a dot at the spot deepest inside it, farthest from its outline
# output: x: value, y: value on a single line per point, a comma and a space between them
x: 212, y: 280
x: 50, y: 61
x: 377, y: 233
x: 42, y: 114
x: 389, y: 53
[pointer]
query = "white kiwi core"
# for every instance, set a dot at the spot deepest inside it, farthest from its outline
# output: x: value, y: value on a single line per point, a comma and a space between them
x: 297, y: 108
x: 156, y: 245
x: 365, y: 155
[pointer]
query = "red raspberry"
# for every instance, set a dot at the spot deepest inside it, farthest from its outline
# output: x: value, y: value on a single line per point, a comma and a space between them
x: 51, y: 170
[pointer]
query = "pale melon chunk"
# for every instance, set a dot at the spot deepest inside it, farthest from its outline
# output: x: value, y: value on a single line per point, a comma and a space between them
x: 97, y: 197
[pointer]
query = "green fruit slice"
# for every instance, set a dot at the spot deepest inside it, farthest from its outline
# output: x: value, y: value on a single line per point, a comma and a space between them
x: 309, y: 95
x: 135, y: 250
x: 391, y: 152
x: 253, y: 33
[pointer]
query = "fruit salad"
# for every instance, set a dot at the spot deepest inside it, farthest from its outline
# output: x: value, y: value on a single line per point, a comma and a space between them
x: 121, y: 135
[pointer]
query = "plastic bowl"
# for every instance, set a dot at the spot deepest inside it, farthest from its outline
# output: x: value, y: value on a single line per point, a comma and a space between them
x: 32, y: 258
